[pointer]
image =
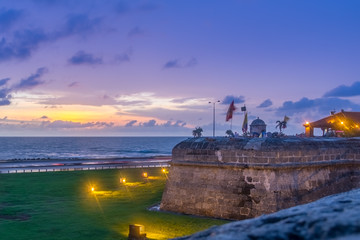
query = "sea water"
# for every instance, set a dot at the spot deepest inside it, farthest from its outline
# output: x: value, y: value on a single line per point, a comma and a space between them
x: 26, y: 148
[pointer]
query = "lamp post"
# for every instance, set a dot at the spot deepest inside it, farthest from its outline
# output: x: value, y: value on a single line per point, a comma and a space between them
x: 214, y: 116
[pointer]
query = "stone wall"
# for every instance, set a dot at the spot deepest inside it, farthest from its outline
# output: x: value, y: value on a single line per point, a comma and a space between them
x: 239, y: 178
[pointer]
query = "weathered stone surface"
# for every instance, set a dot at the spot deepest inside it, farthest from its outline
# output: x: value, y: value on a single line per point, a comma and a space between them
x: 332, y: 217
x: 243, y: 178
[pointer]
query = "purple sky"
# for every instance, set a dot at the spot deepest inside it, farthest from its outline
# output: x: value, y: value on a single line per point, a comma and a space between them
x: 135, y: 68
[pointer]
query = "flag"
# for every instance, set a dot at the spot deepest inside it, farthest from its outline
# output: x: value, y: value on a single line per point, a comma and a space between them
x: 245, y: 124
x: 243, y: 109
x: 230, y: 111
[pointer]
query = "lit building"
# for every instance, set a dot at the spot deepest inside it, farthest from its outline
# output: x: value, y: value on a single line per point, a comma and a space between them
x: 341, y: 124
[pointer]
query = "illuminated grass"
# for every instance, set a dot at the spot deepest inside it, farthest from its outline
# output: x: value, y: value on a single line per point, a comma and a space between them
x: 62, y: 205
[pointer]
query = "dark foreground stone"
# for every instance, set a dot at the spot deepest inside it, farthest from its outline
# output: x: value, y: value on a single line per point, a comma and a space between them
x: 333, y: 217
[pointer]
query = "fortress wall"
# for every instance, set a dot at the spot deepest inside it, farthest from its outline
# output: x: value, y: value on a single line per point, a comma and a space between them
x: 244, y: 178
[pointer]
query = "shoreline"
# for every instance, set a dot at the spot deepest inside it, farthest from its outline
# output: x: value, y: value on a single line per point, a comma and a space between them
x: 82, y: 164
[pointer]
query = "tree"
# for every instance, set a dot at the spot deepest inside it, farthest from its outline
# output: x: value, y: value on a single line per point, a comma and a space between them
x: 282, y: 124
x: 197, y: 132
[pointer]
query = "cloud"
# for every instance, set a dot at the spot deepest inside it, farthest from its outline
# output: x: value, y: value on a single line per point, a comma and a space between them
x: 4, y: 81
x: 79, y: 24
x: 265, y: 104
x: 73, y: 84
x: 321, y: 105
x: 69, y: 124
x: 176, y: 63
x: 122, y: 7
x: 22, y: 45
x: 8, y: 17
x: 344, y: 91
x: 32, y: 81
x: 150, y: 123
x: 136, y: 32
x: 124, y: 57
x: 84, y: 58
x: 148, y: 7
x: 131, y: 123
x: 228, y: 99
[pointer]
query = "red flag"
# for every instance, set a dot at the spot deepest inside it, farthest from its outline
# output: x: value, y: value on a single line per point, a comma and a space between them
x: 230, y: 111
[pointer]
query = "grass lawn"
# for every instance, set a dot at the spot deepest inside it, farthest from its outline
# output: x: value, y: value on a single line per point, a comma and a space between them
x: 61, y: 205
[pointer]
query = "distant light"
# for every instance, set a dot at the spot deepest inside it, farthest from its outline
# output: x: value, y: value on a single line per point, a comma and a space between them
x: 307, y: 123
x: 357, y: 126
x: 163, y: 170
x: 122, y: 180
x: 342, y: 122
x: 92, y: 189
x: 145, y: 174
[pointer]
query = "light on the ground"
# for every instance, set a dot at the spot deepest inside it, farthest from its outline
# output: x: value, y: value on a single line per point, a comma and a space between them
x: 122, y: 180
x: 137, y: 231
x: 92, y: 189
x: 145, y: 174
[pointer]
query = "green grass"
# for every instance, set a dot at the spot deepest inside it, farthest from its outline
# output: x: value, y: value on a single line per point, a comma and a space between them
x: 61, y: 205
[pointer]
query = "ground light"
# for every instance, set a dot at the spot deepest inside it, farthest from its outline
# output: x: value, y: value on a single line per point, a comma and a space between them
x: 164, y: 170
x: 122, y: 180
x: 145, y: 174
x: 137, y: 232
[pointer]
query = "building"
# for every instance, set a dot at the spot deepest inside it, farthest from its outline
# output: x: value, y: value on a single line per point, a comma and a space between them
x: 341, y: 124
x: 257, y: 127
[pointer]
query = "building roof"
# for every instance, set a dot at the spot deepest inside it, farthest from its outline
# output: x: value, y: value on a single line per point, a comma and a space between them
x: 258, y: 122
x: 336, y: 121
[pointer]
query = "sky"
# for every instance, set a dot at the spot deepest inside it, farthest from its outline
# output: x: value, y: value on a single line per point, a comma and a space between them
x: 150, y: 68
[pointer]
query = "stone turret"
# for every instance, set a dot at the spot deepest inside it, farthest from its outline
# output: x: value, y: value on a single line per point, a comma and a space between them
x: 257, y: 127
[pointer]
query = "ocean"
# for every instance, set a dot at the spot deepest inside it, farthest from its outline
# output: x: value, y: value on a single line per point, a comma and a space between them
x: 90, y: 148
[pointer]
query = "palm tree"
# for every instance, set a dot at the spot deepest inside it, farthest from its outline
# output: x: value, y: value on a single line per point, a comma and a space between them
x: 197, y: 132
x: 281, y: 125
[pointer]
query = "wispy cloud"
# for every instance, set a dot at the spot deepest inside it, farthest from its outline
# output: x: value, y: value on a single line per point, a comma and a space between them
x: 265, y: 104
x: 79, y: 24
x: 25, y: 84
x: 344, y: 91
x: 82, y: 57
x: 32, y: 81
x: 136, y: 32
x: 228, y: 99
x: 73, y: 84
x: 177, y: 63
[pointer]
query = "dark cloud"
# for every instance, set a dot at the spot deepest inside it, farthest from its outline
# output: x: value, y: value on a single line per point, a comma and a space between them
x: 8, y: 17
x: 150, y: 123
x: 32, y: 81
x: 344, y: 91
x: 321, y: 105
x: 131, y: 123
x: 4, y: 102
x: 22, y: 45
x: 84, y: 58
x: 69, y: 124
x: 178, y: 64
x: 265, y: 104
x: 135, y: 32
x: 4, y: 81
x: 44, y: 117
x: 228, y: 99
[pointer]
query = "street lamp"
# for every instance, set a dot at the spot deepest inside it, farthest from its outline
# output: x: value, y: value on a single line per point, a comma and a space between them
x: 214, y: 116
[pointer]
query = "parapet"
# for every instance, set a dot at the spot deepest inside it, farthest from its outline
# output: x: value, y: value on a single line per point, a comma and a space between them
x: 239, y: 178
